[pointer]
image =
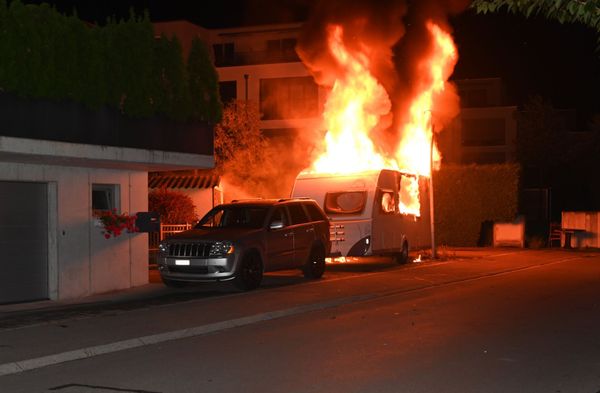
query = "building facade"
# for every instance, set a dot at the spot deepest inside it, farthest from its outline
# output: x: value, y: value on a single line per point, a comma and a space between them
x: 260, y: 64
x: 60, y: 163
x: 485, y: 131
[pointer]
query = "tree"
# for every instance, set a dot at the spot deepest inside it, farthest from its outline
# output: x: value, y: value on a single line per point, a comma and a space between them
x: 586, y: 12
x: 245, y: 158
x: 239, y: 144
x: 203, y: 83
x: 174, y: 207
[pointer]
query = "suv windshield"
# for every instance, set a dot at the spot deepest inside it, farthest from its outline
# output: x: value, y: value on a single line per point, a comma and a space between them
x: 234, y: 217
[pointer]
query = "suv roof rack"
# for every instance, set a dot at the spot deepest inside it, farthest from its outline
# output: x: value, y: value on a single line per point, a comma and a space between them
x: 293, y: 199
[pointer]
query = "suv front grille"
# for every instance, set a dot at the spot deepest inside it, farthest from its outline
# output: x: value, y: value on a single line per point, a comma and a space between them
x: 189, y: 269
x: 192, y: 250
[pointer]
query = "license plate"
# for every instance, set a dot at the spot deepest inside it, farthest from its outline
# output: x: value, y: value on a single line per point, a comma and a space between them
x: 182, y: 262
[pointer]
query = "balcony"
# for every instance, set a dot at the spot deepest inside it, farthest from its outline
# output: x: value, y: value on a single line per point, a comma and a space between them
x: 255, y: 57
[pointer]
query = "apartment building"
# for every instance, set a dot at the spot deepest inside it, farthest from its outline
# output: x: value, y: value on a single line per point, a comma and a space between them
x: 485, y: 131
x: 260, y: 63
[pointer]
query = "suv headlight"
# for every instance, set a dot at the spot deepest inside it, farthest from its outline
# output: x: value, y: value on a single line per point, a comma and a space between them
x: 221, y: 249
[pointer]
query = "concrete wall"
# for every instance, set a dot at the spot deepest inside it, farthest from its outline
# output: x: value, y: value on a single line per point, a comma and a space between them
x: 81, y: 261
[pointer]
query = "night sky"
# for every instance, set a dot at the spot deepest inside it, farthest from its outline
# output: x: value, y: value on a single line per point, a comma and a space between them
x: 532, y: 56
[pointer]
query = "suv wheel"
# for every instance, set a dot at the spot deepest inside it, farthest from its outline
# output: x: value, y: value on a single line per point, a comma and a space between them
x: 315, y: 266
x: 250, y: 273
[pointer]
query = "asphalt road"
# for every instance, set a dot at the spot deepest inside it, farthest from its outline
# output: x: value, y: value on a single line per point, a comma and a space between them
x: 524, y: 321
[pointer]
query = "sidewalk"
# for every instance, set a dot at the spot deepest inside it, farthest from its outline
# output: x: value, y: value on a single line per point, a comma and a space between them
x: 45, y: 311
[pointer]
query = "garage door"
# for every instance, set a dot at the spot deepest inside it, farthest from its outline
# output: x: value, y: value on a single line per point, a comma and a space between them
x: 23, y: 241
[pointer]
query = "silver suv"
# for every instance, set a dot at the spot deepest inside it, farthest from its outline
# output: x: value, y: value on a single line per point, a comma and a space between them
x: 240, y: 240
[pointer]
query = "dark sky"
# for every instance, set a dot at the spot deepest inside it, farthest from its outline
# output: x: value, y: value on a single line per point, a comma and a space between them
x: 532, y: 56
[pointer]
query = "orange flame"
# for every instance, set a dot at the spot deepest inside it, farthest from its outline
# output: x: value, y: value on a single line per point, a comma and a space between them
x: 413, y: 152
x: 356, y: 104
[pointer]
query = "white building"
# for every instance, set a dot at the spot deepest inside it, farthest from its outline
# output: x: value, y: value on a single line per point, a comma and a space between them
x: 53, y: 175
x: 260, y: 63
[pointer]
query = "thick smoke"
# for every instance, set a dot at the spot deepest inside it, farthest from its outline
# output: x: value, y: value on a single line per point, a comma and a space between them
x: 397, y: 39
x: 368, y: 26
x: 250, y: 163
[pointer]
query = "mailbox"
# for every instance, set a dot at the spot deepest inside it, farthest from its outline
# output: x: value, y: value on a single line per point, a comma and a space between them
x: 148, y: 221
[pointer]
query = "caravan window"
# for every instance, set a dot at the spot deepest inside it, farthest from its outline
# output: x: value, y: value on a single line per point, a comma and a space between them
x: 347, y: 202
x: 388, y: 202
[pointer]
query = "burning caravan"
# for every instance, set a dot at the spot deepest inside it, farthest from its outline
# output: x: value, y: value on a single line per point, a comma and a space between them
x: 383, y: 212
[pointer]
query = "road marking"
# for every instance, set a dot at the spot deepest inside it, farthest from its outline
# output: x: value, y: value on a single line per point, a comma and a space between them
x: 88, y: 352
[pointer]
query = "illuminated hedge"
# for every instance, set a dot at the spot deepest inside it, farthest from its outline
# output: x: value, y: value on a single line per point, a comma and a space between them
x: 121, y: 64
x: 467, y: 196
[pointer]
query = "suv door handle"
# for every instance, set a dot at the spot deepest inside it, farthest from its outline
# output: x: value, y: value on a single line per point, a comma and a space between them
x: 310, y: 230
x: 288, y: 234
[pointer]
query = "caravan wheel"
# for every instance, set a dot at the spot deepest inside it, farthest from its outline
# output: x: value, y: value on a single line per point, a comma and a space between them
x: 402, y: 256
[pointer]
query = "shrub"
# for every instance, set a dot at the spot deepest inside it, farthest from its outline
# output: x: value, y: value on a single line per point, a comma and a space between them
x: 47, y: 55
x: 468, y: 196
x: 174, y: 207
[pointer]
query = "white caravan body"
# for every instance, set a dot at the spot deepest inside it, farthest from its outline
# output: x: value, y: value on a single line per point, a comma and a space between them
x: 363, y: 220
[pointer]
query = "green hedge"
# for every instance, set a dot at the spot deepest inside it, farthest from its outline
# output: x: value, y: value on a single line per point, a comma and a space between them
x: 49, y: 55
x: 468, y: 196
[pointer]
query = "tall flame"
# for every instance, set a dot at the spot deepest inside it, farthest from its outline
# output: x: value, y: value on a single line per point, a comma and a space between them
x: 413, y: 152
x: 357, y: 102
x: 354, y: 106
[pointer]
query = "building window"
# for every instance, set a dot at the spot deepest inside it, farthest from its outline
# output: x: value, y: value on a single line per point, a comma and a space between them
x: 288, y: 98
x: 105, y: 197
x: 474, y: 98
x: 483, y: 132
x: 228, y: 91
x: 224, y: 54
x: 284, y: 48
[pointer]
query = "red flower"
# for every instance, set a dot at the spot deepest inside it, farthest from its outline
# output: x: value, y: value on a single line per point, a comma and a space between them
x: 114, y: 224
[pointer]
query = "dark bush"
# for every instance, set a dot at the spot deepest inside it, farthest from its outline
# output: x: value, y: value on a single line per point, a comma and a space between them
x: 121, y: 65
x: 173, y: 207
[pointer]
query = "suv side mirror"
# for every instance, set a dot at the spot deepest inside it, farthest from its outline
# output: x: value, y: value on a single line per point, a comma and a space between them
x: 277, y: 224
